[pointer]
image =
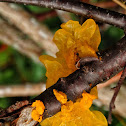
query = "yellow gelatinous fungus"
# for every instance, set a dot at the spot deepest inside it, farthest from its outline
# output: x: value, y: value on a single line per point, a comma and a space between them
x: 60, y: 96
x: 74, y: 42
x: 78, y: 113
x: 38, y: 110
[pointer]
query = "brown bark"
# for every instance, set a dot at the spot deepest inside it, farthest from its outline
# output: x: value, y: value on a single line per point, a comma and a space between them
x: 112, y: 62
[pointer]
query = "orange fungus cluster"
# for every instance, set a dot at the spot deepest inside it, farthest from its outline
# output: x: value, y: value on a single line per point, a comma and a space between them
x: 60, y: 96
x: 38, y: 110
x: 78, y: 113
x: 74, y: 42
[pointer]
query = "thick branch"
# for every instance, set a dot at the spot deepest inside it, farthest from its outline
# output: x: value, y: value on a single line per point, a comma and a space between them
x: 79, y: 8
x: 112, y: 62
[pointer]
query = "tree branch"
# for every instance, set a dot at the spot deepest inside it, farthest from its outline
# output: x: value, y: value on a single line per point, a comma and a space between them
x: 24, y: 90
x: 112, y: 62
x: 104, y: 98
x: 84, y: 9
x: 120, y: 4
x: 116, y: 91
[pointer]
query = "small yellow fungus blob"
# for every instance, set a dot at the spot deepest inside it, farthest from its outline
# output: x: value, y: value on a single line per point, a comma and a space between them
x: 78, y: 113
x: 74, y: 42
x: 38, y: 110
x: 60, y: 96
x: 36, y: 116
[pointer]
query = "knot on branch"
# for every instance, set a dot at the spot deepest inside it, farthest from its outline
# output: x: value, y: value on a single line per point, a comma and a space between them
x: 85, y: 64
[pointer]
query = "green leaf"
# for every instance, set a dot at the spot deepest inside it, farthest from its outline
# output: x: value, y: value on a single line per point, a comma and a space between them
x: 28, y: 70
x: 110, y: 37
x: 4, y: 102
x: 4, y: 57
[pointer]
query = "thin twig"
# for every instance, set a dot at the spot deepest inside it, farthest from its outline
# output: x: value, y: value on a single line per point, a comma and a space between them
x: 120, y: 4
x: 23, y: 90
x: 116, y: 91
x: 104, y: 98
x: 84, y: 9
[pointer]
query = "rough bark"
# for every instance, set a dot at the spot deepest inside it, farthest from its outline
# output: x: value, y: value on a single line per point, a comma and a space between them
x: 112, y: 62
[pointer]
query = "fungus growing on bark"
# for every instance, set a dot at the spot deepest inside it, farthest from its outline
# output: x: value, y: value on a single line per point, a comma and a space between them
x: 74, y: 42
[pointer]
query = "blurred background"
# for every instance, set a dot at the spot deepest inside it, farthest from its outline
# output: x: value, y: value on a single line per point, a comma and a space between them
x: 26, y: 32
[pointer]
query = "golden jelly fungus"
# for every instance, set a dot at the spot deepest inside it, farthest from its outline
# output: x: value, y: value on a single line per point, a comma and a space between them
x: 38, y: 110
x: 60, y: 96
x: 74, y: 41
x: 78, y: 113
